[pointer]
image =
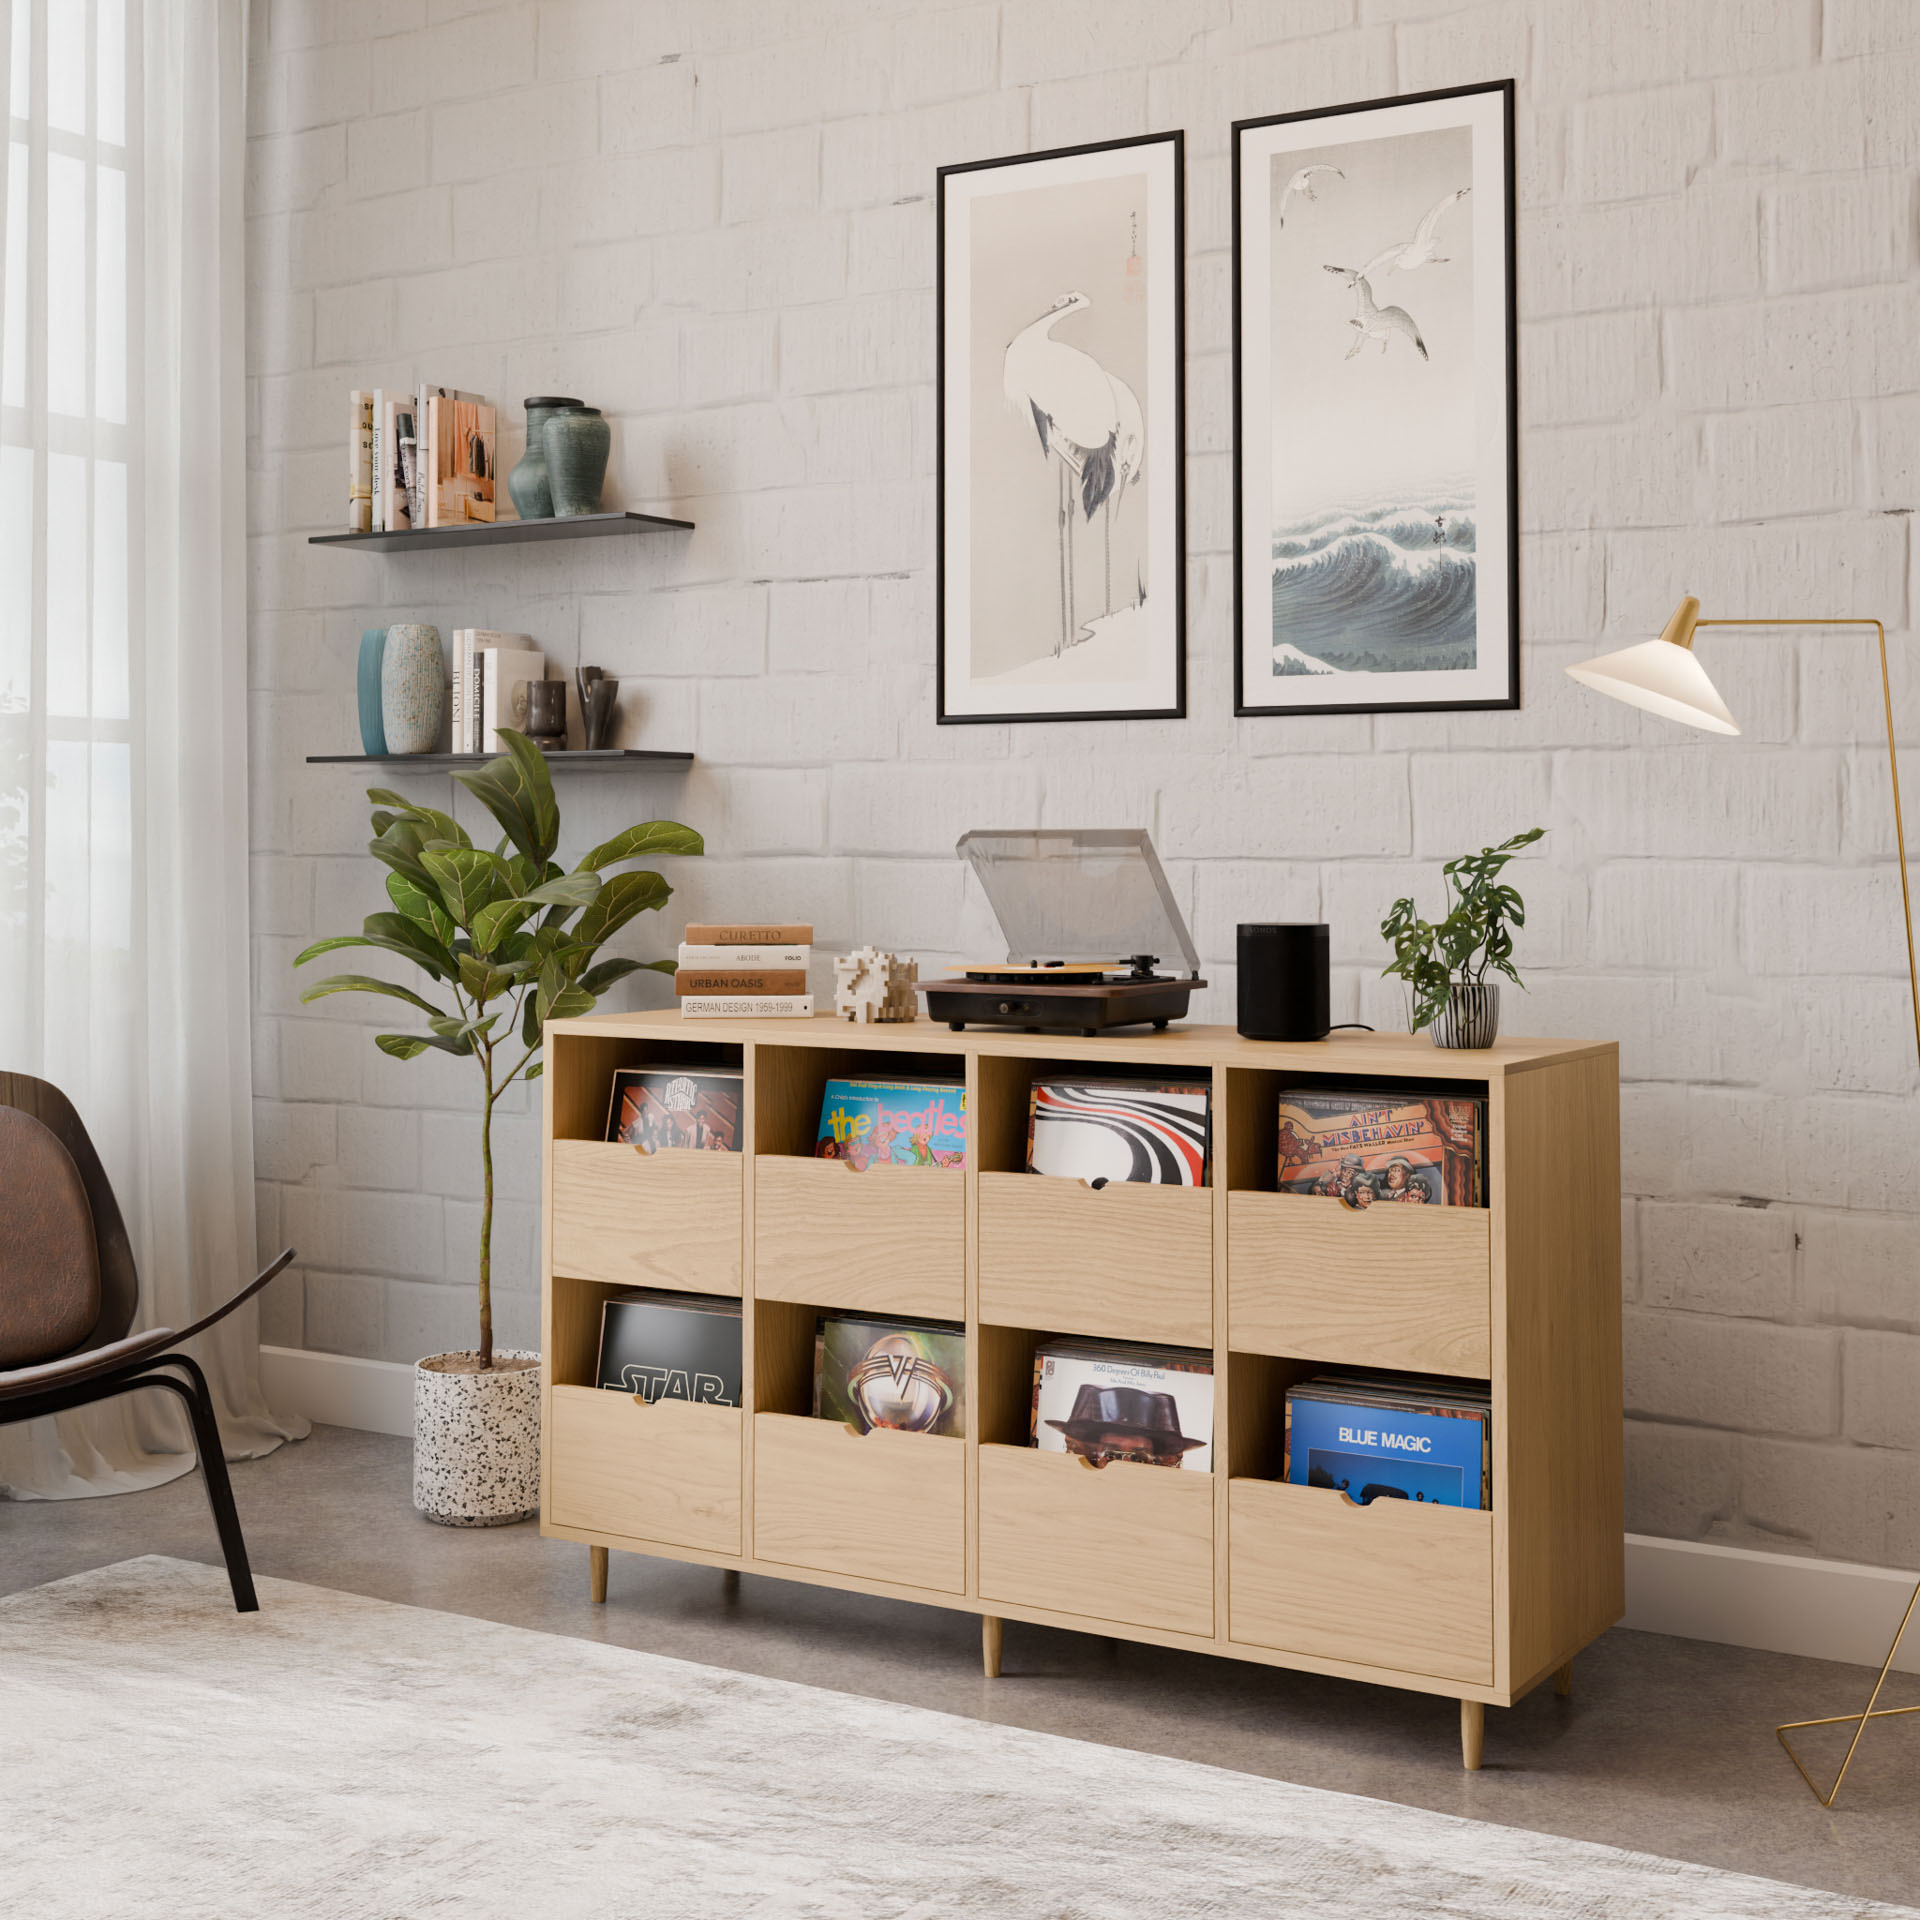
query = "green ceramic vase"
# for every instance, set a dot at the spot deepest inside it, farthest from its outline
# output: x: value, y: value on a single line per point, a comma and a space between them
x: 527, y: 483
x: 578, y: 443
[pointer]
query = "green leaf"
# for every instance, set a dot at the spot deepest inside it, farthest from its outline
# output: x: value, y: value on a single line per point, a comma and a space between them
x: 535, y: 1071
x: 636, y: 843
x: 406, y: 951
x: 482, y: 981
x: 596, y: 980
x: 433, y: 824
x: 365, y: 983
x: 517, y: 790
x: 495, y: 921
x: 400, y: 845
x: 616, y: 903
x: 410, y: 937
x: 403, y: 1046
x: 421, y: 907
x: 570, y: 890
x: 661, y: 966
x: 467, y: 879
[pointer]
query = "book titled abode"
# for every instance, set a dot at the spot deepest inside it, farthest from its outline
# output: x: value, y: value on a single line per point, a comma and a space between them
x: 1427, y: 1444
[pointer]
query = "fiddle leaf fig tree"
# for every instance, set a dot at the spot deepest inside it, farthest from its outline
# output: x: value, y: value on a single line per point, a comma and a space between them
x: 1432, y: 956
x: 495, y: 931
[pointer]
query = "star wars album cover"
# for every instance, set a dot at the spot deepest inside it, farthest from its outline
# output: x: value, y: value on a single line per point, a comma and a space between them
x: 1099, y: 1130
x: 907, y: 1374
x: 893, y: 1123
x: 671, y: 1346
x: 657, y: 1107
x: 1365, y: 1147
x: 1109, y: 1402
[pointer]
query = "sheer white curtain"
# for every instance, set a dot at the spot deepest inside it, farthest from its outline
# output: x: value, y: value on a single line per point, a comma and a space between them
x: 123, y: 809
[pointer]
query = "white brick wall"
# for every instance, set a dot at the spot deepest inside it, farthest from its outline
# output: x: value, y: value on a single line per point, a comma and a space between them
x: 716, y: 220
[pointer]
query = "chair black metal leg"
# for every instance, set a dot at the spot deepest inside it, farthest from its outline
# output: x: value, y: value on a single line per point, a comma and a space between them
x: 213, y: 1469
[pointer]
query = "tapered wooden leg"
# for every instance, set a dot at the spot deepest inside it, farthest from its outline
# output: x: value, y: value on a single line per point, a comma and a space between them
x: 1473, y: 1733
x: 597, y: 1575
x: 992, y: 1634
x: 730, y: 1586
x: 1563, y: 1680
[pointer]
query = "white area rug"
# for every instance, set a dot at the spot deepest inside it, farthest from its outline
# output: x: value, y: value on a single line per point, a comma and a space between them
x: 339, y: 1758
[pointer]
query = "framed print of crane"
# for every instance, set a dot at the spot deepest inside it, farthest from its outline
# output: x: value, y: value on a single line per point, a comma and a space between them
x: 1376, y: 499
x: 1062, y: 507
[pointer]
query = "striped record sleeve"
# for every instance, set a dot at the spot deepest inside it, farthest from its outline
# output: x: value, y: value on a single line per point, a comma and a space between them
x: 1098, y: 1130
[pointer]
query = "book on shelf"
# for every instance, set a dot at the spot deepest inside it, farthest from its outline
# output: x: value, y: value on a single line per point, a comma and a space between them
x: 377, y: 512
x: 505, y: 662
x: 893, y: 1123
x: 459, y: 466
x: 660, y: 1345
x: 759, y: 980
x: 749, y: 934
x: 1107, y: 1401
x: 747, y: 1006
x: 909, y: 1375
x: 1391, y: 1436
x: 359, y: 461
x: 1103, y: 1128
x: 1368, y: 1145
x: 787, y: 956
x: 395, y: 503
x: 656, y: 1107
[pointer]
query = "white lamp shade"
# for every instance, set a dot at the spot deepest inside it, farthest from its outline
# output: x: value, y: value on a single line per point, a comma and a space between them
x: 1662, y: 677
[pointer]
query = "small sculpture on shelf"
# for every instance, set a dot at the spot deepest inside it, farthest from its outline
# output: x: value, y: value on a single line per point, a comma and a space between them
x: 599, y: 696
x: 870, y: 986
x: 547, y: 714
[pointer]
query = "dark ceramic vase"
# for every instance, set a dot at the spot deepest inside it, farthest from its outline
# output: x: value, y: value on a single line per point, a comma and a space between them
x: 578, y: 443
x: 527, y: 483
x: 547, y: 714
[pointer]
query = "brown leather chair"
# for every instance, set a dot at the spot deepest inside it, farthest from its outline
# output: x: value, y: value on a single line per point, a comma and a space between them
x: 69, y: 1288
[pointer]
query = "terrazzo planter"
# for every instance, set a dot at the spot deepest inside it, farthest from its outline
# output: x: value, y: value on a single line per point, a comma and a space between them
x: 527, y: 483
x: 578, y: 443
x: 476, y: 1440
x: 373, y: 732
x: 413, y: 689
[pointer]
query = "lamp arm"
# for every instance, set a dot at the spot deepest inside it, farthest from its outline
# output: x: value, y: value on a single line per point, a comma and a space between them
x: 1893, y: 769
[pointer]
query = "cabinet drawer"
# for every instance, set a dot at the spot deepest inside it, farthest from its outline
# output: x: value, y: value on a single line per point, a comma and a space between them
x: 668, y: 1472
x: 878, y: 1506
x: 1387, y: 1585
x: 1134, y: 1262
x: 1122, y: 1543
x: 667, y: 1219
x: 887, y: 1241
x: 1394, y: 1286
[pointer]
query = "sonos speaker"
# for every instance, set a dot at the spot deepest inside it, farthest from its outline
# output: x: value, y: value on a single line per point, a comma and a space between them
x: 1283, y: 982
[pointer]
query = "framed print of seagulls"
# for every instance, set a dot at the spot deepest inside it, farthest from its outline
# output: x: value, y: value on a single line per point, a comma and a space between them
x: 1376, y: 557
x: 1062, y: 546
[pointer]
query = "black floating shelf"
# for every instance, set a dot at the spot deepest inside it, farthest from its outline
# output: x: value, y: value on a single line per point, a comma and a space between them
x: 587, y: 759
x: 502, y: 533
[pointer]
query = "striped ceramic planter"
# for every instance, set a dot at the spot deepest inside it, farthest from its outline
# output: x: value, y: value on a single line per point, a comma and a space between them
x: 1471, y: 1017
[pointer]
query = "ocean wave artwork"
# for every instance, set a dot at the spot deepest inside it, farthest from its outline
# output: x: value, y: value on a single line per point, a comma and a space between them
x: 1385, y: 589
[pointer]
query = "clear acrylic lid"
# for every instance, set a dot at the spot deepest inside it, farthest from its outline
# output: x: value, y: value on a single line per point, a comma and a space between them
x: 1080, y: 893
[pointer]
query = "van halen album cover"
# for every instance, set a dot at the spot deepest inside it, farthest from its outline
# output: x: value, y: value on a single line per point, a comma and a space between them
x: 1365, y: 1146
x: 653, y: 1108
x: 1132, y: 1130
x: 893, y: 1123
x: 906, y: 1374
x: 1106, y: 1401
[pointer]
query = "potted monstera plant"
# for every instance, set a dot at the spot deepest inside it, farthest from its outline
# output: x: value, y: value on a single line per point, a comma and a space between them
x: 507, y: 939
x: 1445, y: 963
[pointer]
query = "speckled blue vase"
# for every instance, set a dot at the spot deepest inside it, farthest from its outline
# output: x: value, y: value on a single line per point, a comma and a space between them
x: 373, y: 732
x: 578, y: 443
x: 413, y: 689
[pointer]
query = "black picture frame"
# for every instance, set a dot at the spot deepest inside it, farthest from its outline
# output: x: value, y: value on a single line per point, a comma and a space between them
x: 1174, y: 467
x: 1510, y: 698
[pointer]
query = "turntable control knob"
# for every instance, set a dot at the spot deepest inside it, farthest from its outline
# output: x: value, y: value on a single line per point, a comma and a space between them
x: 1006, y: 1006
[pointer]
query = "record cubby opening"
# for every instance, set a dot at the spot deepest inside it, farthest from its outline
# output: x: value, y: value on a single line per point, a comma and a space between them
x: 573, y: 1348
x: 1003, y: 1364
x: 790, y: 1082
x: 1006, y: 1095
x: 582, y: 1067
x: 783, y: 1356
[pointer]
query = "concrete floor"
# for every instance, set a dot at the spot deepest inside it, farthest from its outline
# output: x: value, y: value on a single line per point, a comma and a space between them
x: 1666, y: 1746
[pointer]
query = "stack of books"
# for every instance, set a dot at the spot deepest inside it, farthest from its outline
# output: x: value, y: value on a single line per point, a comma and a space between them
x: 1392, y: 1436
x: 671, y: 1346
x: 910, y: 1375
x: 419, y: 459
x: 744, y: 971
x: 490, y: 675
x: 1107, y: 1401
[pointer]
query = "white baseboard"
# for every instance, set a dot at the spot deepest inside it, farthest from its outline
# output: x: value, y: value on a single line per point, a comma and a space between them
x: 1778, y: 1602
x: 338, y: 1390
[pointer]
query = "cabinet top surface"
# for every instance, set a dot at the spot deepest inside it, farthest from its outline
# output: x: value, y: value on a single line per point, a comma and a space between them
x: 1405, y: 1055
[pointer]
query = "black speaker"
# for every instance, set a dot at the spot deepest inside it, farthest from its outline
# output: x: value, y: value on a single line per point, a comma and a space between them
x: 1283, y: 982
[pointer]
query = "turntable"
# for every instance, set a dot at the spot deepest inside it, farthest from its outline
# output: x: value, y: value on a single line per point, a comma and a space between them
x: 1080, y: 892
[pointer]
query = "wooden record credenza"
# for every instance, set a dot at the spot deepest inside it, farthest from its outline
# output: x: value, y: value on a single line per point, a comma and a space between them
x: 1525, y: 1294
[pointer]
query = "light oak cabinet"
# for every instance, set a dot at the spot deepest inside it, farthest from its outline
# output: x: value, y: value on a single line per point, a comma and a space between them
x: 1523, y: 1294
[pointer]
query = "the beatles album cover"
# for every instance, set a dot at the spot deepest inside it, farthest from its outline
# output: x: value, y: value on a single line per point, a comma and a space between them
x: 671, y: 1346
x: 1105, y: 1402
x: 661, y: 1107
x: 1101, y: 1130
x: 1429, y: 1441
x: 906, y: 1374
x: 893, y: 1123
x: 1365, y: 1146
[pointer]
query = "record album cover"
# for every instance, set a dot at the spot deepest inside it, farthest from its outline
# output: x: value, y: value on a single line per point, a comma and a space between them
x: 656, y: 1107
x: 907, y: 1374
x: 1365, y: 1146
x: 893, y: 1123
x: 1108, y: 1402
x: 1427, y: 1445
x: 1113, y: 1129
x: 671, y: 1346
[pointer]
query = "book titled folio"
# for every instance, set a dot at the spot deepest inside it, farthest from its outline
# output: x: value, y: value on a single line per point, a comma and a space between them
x: 758, y: 934
x: 740, y: 980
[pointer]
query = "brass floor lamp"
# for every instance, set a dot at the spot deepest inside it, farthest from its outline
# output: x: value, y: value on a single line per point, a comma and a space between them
x: 1663, y: 677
